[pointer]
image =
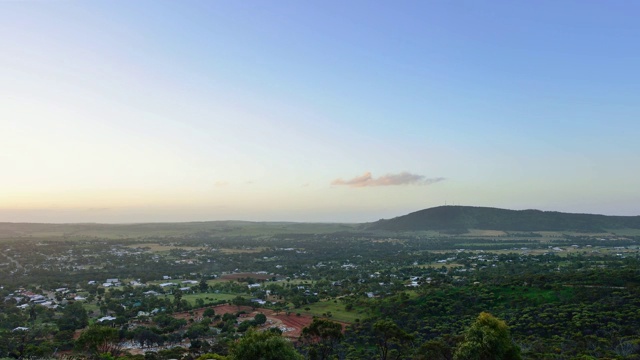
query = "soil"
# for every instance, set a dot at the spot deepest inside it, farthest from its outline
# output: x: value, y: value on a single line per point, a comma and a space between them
x: 291, y: 325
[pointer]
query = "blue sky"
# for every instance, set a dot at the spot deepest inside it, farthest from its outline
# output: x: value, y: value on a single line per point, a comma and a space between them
x: 315, y: 111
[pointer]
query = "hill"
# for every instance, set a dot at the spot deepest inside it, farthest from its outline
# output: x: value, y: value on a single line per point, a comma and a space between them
x: 460, y: 218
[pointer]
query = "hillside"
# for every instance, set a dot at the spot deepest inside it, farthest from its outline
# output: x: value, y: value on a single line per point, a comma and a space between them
x: 467, y: 217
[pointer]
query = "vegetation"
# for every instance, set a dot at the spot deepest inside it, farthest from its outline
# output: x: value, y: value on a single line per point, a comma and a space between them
x: 487, y: 338
x: 462, y: 218
x: 225, y: 294
x: 266, y: 345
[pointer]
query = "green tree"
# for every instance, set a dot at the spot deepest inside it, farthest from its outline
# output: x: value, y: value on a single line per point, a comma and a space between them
x: 97, y: 341
x: 177, y: 299
x: 390, y: 337
x: 488, y: 338
x: 202, y: 285
x: 212, y: 357
x: 264, y: 345
x: 260, y: 319
x: 321, y: 336
x: 434, y: 350
x: 74, y: 317
x: 239, y: 301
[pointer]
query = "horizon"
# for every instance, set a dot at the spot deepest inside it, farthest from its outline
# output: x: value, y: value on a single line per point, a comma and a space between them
x: 153, y: 112
x: 295, y: 222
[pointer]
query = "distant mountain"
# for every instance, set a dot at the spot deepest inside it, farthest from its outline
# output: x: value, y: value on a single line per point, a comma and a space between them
x: 460, y: 218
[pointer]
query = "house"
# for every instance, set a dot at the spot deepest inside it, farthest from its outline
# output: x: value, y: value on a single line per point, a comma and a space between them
x: 37, y: 298
x: 258, y: 301
x: 106, y: 318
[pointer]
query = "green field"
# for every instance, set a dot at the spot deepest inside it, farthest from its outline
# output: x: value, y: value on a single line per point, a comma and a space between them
x: 191, y: 298
x: 337, y: 311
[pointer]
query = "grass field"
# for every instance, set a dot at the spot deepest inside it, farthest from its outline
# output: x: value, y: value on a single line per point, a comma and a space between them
x: 337, y: 311
x: 191, y: 298
x: 90, y: 307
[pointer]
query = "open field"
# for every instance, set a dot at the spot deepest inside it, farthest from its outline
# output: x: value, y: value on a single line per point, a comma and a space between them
x: 337, y: 310
x: 207, y: 297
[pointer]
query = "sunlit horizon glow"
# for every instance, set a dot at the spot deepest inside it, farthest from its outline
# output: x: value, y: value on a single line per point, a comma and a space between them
x: 315, y: 111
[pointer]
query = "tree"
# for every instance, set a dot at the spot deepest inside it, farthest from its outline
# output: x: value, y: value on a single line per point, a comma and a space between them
x: 239, y: 301
x: 322, y: 336
x: 389, y: 337
x: 264, y: 345
x: 74, y: 317
x: 212, y: 357
x: 488, y: 338
x: 202, y: 285
x: 260, y: 319
x: 244, y: 326
x: 177, y: 299
x: 209, y: 312
x: 99, y: 340
x: 434, y: 350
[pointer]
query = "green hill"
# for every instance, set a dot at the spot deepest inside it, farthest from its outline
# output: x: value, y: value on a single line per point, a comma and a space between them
x: 485, y: 218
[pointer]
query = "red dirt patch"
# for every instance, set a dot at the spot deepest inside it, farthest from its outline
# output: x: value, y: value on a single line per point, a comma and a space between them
x: 291, y: 325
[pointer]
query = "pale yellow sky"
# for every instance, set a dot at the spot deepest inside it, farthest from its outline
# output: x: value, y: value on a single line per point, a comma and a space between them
x: 159, y: 112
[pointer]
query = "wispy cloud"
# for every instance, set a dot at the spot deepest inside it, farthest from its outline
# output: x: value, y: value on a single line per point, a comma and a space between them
x: 403, y: 178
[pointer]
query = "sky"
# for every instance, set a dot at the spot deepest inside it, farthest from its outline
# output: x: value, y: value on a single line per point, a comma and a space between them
x: 323, y: 111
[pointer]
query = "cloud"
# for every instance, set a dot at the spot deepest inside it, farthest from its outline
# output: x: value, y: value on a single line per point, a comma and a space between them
x: 221, y: 183
x: 403, y: 178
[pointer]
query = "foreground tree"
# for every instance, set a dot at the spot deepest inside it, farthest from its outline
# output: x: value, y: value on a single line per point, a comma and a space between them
x: 266, y: 345
x: 97, y: 341
x: 321, y: 338
x: 488, y: 338
x: 74, y: 317
x: 391, y: 340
